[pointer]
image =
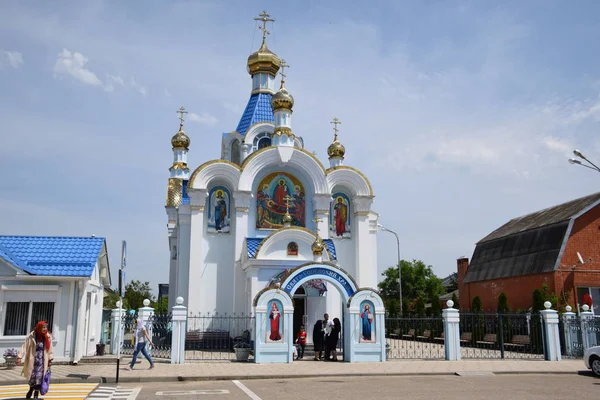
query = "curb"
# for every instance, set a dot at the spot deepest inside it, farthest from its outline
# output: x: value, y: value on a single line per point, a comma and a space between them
x: 142, y: 379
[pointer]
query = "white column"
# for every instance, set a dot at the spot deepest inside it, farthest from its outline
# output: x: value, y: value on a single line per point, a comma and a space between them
x: 451, y: 319
x: 114, y: 339
x: 362, y: 235
x: 196, y: 248
x: 146, y: 313
x: 572, y: 342
x: 179, y: 329
x: 321, y: 204
x: 242, y: 202
x: 254, y: 286
x: 589, y: 337
x: 552, y: 338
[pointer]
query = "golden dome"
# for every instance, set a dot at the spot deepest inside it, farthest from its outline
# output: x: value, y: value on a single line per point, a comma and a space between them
x: 282, y: 99
x: 336, y: 149
x: 263, y: 60
x: 287, y: 219
x: 180, y: 140
x: 318, y: 246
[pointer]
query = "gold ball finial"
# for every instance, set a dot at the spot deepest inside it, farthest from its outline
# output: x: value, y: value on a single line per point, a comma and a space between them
x: 263, y: 60
x: 336, y: 149
x: 282, y: 100
x: 318, y: 246
x: 180, y: 140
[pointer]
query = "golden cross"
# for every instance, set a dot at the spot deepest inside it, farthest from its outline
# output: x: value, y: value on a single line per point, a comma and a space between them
x: 181, y: 111
x: 316, y: 221
x: 281, y: 71
x: 335, y: 123
x: 264, y: 17
x: 287, y: 200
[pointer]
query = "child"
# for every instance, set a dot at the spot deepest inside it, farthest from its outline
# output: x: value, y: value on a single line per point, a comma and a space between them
x: 301, y: 340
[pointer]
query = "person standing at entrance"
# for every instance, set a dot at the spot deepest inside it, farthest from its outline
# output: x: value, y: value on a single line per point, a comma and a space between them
x: 301, y: 340
x: 327, y: 327
x: 318, y: 340
x: 141, y: 335
x: 333, y: 338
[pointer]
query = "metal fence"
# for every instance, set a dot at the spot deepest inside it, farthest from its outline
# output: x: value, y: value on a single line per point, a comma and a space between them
x: 577, y: 333
x: 160, y: 328
x: 500, y: 336
x: 415, y: 338
x: 213, y: 336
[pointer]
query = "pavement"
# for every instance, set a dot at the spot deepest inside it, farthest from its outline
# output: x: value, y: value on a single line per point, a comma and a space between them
x: 228, y: 370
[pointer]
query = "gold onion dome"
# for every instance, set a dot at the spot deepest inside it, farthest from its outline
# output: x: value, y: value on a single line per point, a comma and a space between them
x: 263, y: 60
x: 180, y: 140
x: 318, y: 246
x: 282, y: 99
x: 287, y: 219
x: 336, y: 149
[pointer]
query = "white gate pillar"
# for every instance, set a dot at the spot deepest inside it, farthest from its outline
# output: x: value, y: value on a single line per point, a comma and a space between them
x: 146, y: 314
x: 115, y: 343
x: 551, y: 337
x: 451, y: 332
x: 179, y: 319
x: 589, y: 337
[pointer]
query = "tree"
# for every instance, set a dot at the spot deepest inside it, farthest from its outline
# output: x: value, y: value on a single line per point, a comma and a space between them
x: 110, y: 300
x: 136, y: 292
x: 418, y: 281
x: 162, y: 306
x: 476, y: 304
x: 502, y: 303
x: 453, y: 283
x: 436, y: 306
x: 455, y: 300
x: 420, y: 306
x: 538, y: 301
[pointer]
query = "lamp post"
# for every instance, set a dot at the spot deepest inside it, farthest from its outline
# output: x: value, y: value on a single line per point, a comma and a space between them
x: 383, y: 228
x: 578, y: 162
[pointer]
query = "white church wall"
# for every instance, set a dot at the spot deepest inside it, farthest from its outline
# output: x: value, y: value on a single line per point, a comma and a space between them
x: 344, y: 250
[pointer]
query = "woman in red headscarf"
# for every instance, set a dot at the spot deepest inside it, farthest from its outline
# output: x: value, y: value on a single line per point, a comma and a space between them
x: 37, y: 356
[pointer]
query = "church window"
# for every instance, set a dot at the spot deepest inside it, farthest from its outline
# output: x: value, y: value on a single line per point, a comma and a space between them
x: 262, y: 140
x: 219, y: 210
x: 276, y: 194
x: 292, y: 249
x: 235, y: 152
x: 339, y: 216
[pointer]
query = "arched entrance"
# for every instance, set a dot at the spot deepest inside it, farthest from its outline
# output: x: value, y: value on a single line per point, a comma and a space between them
x: 274, y: 310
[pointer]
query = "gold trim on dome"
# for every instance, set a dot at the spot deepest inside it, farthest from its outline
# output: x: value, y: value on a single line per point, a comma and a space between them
x: 263, y: 60
x: 179, y: 165
x: 336, y: 149
x: 329, y: 170
x: 283, y: 130
x: 174, y: 192
x: 206, y: 164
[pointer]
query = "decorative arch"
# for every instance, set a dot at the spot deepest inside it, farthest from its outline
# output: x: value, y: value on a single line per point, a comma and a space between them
x: 256, y: 131
x: 266, y: 349
x: 227, y: 142
x: 276, y: 194
x: 284, y: 235
x: 367, y: 331
x: 283, y: 157
x: 325, y: 271
x: 350, y: 179
x: 225, y: 171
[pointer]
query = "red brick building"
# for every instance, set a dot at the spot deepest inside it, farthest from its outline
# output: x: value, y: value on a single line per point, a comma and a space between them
x: 537, y: 248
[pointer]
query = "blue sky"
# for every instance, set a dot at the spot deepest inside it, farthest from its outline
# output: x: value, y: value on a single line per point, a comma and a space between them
x: 462, y: 114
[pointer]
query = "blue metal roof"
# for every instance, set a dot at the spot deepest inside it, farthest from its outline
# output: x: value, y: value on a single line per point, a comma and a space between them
x: 253, y: 243
x: 52, y: 255
x: 185, y: 199
x: 257, y: 110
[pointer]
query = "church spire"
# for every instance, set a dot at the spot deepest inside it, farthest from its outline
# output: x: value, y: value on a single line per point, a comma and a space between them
x: 263, y: 64
x: 336, y: 150
x: 179, y: 170
x: 282, y: 104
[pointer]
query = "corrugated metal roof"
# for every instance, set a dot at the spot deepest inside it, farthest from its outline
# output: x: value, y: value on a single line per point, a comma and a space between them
x: 548, y: 216
x: 257, y: 110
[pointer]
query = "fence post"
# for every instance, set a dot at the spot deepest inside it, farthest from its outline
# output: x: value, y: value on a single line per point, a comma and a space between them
x: 551, y: 337
x: 451, y: 332
x: 589, y: 337
x: 179, y: 317
x: 146, y: 314
x: 114, y: 337
x: 571, y: 339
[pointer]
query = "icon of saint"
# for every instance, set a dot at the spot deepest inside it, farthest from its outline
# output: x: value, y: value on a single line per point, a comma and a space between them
x: 274, y: 316
x: 367, y: 322
x: 341, y: 216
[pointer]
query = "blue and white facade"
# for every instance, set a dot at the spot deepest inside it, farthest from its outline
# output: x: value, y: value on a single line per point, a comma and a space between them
x: 238, y: 224
x: 57, y: 279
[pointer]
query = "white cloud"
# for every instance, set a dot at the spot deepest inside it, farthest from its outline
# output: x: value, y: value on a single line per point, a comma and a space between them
x: 204, y: 119
x: 167, y: 93
x: 12, y: 59
x: 137, y: 86
x: 557, y: 144
x: 73, y: 64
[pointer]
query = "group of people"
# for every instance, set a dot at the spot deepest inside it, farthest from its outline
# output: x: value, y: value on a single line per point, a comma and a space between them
x: 326, y: 334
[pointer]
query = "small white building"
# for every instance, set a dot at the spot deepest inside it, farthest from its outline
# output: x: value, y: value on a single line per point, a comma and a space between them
x: 239, y: 223
x: 57, y: 279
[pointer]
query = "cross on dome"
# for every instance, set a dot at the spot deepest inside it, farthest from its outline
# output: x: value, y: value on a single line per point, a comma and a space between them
x: 264, y: 17
x: 283, y: 66
x: 181, y: 111
x: 287, y: 200
x: 335, y: 123
x: 316, y: 221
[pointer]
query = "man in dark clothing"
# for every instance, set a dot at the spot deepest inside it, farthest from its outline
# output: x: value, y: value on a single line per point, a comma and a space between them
x: 318, y: 340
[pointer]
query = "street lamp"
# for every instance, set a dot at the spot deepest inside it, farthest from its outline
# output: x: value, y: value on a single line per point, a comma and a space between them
x: 383, y: 228
x: 578, y: 162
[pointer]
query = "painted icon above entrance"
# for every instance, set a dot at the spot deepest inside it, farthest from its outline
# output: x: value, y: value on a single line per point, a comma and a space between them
x: 278, y: 193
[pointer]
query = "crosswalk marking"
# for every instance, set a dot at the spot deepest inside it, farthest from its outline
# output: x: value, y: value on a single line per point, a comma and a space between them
x: 57, y: 391
x: 114, y: 393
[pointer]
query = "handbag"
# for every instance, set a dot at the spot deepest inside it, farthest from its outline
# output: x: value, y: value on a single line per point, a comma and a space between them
x: 45, y: 383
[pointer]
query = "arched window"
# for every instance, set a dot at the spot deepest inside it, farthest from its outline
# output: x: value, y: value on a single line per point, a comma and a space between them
x: 261, y: 141
x: 292, y: 249
x: 235, y: 152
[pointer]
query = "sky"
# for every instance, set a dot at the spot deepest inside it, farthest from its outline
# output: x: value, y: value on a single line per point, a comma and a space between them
x: 461, y: 113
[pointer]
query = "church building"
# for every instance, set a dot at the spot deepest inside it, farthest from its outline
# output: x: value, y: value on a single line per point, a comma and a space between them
x: 240, y: 224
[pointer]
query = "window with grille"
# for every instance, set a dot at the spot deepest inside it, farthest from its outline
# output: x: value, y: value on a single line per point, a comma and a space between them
x: 21, y: 317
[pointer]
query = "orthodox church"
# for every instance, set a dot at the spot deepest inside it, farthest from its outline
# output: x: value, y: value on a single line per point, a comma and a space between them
x: 238, y: 225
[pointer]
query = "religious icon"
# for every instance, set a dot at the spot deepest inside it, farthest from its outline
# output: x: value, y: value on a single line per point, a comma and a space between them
x: 366, y: 322
x: 339, y: 215
x: 275, y: 323
x: 218, y: 210
x: 292, y: 249
x: 278, y: 193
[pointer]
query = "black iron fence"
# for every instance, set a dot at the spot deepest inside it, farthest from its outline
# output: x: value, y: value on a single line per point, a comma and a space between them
x: 213, y: 336
x: 159, y: 327
x: 415, y: 338
x: 490, y: 336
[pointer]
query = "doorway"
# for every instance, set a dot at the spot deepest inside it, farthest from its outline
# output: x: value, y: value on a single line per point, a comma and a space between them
x: 299, y: 302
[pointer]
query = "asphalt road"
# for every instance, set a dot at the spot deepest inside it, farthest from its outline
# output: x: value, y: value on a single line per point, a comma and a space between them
x: 489, y: 387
